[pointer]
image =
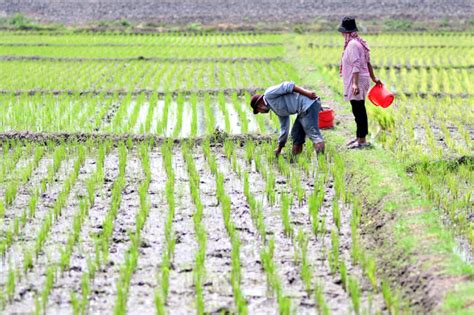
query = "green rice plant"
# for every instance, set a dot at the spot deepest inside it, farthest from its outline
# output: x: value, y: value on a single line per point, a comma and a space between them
x: 321, y: 304
x: 336, y: 214
x: 387, y: 294
x: 222, y: 106
x: 354, y: 292
x: 159, y: 303
x: 266, y: 256
x: 343, y: 273
x: 284, y: 212
x: 306, y: 273
x: 194, y: 120
x: 48, y: 286
x: 371, y: 272
x: 75, y: 303
x: 333, y: 256
x: 10, y: 284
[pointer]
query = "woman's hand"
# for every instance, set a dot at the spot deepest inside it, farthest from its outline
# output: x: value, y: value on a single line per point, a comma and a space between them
x: 377, y: 81
x: 355, y: 89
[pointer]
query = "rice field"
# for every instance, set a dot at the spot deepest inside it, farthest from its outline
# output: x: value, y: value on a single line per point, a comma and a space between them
x: 198, y: 216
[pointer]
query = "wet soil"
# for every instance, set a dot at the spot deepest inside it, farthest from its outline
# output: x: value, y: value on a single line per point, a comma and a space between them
x: 218, y: 294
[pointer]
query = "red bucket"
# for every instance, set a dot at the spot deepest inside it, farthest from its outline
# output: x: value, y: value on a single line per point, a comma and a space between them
x: 380, y: 96
x: 326, y: 118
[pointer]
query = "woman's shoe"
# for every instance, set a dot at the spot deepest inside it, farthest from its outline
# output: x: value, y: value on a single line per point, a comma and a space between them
x: 351, y: 142
x: 358, y: 145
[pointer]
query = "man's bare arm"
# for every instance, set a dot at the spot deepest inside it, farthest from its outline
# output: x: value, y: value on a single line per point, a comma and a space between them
x: 312, y: 95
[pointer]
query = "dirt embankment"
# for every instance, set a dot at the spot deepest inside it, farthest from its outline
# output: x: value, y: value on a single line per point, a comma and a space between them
x: 237, y: 12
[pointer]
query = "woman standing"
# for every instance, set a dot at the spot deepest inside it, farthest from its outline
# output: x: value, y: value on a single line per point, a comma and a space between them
x: 356, y: 72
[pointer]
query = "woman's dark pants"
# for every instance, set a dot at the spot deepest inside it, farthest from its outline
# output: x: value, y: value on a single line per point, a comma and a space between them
x: 360, y: 114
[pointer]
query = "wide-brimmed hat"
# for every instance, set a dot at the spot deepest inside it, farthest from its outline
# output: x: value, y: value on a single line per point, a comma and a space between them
x: 348, y: 25
x: 254, y: 101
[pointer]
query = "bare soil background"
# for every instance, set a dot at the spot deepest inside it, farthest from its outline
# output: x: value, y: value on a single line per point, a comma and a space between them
x: 237, y: 12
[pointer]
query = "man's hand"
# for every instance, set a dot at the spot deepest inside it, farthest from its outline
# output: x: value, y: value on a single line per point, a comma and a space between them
x: 312, y: 95
x: 355, y: 89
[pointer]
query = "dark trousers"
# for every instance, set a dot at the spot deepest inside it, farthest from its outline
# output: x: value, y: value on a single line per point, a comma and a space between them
x: 360, y: 115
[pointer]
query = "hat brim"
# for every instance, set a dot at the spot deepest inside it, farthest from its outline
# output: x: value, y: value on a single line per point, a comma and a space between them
x: 255, y: 111
x: 342, y: 29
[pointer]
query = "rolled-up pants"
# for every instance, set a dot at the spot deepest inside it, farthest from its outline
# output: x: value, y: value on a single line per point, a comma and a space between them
x: 306, y: 124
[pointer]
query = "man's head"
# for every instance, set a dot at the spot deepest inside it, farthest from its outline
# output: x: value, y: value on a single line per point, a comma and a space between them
x: 258, y: 104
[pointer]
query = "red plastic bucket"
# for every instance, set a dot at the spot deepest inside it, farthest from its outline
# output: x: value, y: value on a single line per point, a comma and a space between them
x: 380, y: 96
x: 326, y: 118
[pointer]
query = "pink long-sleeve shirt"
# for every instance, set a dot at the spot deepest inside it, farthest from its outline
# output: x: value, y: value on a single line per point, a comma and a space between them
x: 354, y: 61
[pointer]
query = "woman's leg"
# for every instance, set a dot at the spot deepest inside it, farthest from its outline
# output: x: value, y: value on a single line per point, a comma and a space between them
x: 360, y: 115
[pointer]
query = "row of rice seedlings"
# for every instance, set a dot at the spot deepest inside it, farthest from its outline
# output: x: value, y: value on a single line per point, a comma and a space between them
x: 120, y: 115
x: 12, y: 152
x: 152, y: 102
x: 306, y: 273
x: 131, y: 256
x: 44, y: 230
x: 129, y: 51
x: 18, y: 222
x: 359, y: 254
x: 314, y: 203
x: 199, y: 227
x: 161, y: 293
x: 80, y: 300
x: 72, y: 240
x: 133, y: 116
x: 222, y: 106
x: 17, y: 225
x: 85, y: 203
x: 157, y: 40
x: 256, y: 210
x: 162, y: 125
x: 179, y: 115
x: 22, y: 176
x: 103, y: 238
x: 243, y: 115
x: 274, y: 281
x: 194, y: 120
x: 225, y: 202
x: 209, y: 115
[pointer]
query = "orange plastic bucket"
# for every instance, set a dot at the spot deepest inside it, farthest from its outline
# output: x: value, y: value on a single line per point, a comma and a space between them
x: 326, y: 118
x: 380, y: 96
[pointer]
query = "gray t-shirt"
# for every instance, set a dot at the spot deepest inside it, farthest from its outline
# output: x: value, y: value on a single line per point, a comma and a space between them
x: 283, y: 102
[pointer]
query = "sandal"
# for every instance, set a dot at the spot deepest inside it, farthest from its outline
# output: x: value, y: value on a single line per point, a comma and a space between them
x: 357, y: 145
x: 351, y: 142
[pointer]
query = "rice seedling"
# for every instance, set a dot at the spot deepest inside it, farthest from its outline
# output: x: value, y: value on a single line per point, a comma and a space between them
x: 354, y: 292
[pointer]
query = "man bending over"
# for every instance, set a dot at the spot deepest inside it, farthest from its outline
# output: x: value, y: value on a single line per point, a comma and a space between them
x: 287, y: 99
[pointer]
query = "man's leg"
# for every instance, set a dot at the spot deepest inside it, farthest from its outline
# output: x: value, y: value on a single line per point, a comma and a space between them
x: 298, y: 136
x: 310, y: 125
